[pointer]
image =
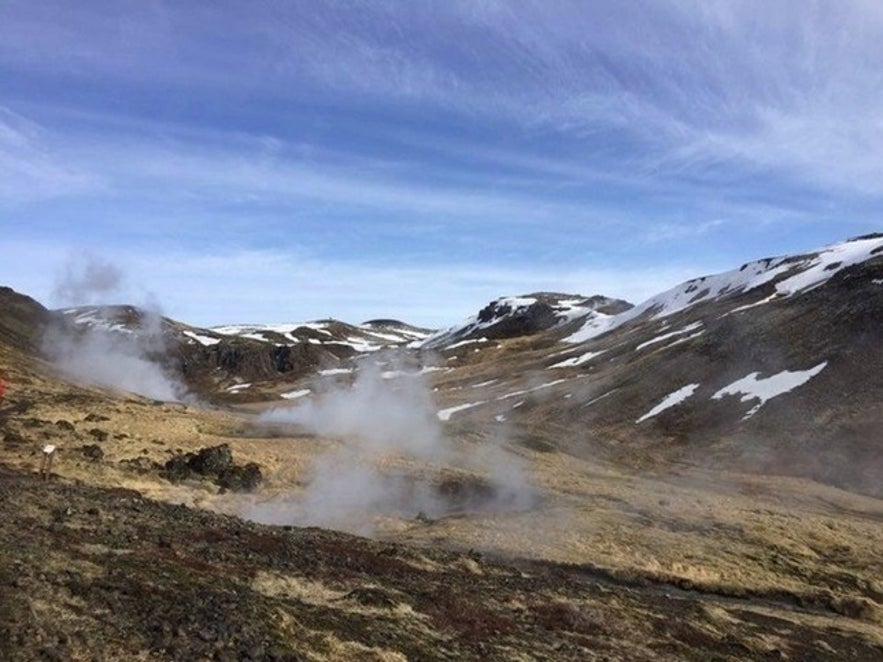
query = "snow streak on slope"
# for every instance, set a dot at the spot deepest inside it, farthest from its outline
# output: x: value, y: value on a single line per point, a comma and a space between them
x: 445, y: 414
x: 750, y: 387
x: 515, y: 394
x: 671, y: 334
x: 294, y: 395
x: 670, y: 401
x: 576, y: 360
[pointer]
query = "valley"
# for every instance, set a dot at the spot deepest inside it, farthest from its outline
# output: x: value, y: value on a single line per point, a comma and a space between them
x: 560, y: 477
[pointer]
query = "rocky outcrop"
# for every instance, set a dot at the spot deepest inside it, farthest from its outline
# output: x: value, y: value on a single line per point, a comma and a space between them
x: 215, y: 464
x: 251, y: 360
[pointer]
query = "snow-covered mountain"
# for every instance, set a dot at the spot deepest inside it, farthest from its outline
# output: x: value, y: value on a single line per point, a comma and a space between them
x: 767, y: 280
x: 239, y: 361
x: 513, y: 316
x: 777, y: 364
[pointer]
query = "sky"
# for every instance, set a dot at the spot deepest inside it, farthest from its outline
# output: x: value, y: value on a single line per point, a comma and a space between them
x: 271, y: 161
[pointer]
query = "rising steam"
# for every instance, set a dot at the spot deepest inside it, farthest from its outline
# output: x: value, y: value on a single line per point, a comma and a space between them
x: 95, y: 346
x: 84, y: 279
x: 393, y: 458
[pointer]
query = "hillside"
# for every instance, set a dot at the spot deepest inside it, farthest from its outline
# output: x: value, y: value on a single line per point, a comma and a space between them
x: 775, y: 366
x: 21, y: 321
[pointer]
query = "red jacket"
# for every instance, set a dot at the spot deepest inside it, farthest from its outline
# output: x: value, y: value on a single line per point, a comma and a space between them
x: 2, y: 389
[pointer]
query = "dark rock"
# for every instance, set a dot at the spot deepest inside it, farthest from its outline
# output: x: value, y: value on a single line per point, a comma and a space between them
x: 241, y: 479
x: 177, y: 468
x: 216, y: 463
x: 65, y: 425
x: 511, y: 323
x: 93, y: 452
x: 212, y: 461
x: 424, y: 518
x: 100, y: 435
x: 95, y: 418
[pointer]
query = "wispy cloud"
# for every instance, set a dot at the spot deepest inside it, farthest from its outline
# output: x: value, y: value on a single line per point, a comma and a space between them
x: 785, y: 88
x: 30, y: 169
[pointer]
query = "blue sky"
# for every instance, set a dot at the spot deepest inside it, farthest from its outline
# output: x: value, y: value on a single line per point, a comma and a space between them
x: 283, y: 161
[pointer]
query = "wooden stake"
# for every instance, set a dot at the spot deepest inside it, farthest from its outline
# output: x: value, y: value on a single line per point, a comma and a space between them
x: 46, y: 465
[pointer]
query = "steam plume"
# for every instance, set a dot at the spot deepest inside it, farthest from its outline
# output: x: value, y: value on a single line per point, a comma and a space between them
x: 384, y: 423
x: 84, y: 279
x: 94, y: 346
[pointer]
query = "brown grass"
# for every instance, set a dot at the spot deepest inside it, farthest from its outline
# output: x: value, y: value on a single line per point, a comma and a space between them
x: 770, y: 538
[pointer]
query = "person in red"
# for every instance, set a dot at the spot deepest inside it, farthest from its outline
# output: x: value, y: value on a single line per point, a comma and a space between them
x: 2, y: 390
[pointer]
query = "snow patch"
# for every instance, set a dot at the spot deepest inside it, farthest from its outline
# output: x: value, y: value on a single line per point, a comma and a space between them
x: 487, y: 383
x: 445, y: 414
x: 599, y: 398
x: 670, y: 401
x: 202, y: 340
x: 576, y: 360
x: 515, y: 394
x: 294, y: 395
x: 750, y: 387
x: 671, y: 334
x: 827, y: 263
x: 335, y: 371
x: 466, y: 342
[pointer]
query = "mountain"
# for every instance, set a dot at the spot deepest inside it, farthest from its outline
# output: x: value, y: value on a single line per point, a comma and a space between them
x: 235, y: 362
x: 776, y: 366
x: 510, y: 317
